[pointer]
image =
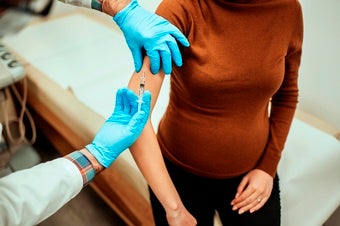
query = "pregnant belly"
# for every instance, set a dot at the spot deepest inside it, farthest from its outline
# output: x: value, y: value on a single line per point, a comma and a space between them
x: 217, y: 149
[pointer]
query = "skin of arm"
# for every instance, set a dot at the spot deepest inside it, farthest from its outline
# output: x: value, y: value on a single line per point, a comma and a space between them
x: 147, y: 154
x: 112, y: 7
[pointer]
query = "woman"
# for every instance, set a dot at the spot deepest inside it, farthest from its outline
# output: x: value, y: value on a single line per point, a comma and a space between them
x: 220, y: 142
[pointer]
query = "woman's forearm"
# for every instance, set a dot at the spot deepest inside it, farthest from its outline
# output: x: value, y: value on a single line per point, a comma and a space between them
x: 146, y: 150
x: 148, y: 157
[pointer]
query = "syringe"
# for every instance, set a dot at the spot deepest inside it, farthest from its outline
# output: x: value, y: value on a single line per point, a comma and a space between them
x: 141, y: 90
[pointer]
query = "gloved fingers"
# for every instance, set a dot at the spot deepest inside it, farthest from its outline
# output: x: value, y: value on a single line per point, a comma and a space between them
x: 137, y: 58
x: 166, y: 60
x: 131, y: 105
x: 137, y: 123
x: 119, y: 106
x: 146, y: 105
x: 177, y: 34
x: 155, y: 61
x: 126, y: 103
x: 139, y: 119
x: 126, y: 99
x: 175, y: 53
x: 161, y: 54
x: 146, y: 102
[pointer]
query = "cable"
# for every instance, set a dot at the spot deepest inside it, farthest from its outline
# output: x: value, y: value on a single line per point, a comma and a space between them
x: 20, y: 120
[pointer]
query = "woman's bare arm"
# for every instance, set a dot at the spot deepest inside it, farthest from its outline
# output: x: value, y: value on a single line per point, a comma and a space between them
x: 148, y: 157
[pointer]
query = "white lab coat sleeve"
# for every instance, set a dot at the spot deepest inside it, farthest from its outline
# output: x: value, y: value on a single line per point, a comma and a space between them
x: 29, y: 196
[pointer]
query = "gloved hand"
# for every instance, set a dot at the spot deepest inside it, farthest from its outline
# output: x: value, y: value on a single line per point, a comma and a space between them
x: 143, y: 29
x: 122, y: 128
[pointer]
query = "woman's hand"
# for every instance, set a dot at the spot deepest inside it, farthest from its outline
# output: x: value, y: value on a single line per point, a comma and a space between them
x: 180, y: 217
x: 253, y: 191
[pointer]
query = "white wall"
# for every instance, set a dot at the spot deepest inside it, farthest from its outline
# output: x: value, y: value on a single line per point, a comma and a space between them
x: 320, y: 67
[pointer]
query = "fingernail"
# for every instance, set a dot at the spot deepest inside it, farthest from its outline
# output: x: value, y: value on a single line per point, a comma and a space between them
x: 234, y: 208
x: 237, y: 194
x: 251, y: 211
x: 241, y: 211
x: 232, y: 203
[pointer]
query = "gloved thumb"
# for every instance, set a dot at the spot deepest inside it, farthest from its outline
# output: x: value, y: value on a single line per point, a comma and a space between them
x: 139, y: 120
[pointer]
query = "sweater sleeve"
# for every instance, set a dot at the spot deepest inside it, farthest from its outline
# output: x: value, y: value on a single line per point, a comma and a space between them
x: 283, y: 103
x: 175, y: 11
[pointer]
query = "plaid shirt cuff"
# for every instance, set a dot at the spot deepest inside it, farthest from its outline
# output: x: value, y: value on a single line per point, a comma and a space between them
x: 84, y: 165
x: 96, y: 4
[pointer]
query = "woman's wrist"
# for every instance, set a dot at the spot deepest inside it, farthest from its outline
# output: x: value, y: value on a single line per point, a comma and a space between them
x: 180, y: 216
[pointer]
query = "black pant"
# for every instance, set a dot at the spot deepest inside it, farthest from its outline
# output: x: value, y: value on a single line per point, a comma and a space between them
x: 203, y: 196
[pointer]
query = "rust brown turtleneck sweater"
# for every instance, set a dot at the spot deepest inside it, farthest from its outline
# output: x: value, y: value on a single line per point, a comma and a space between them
x: 243, y: 55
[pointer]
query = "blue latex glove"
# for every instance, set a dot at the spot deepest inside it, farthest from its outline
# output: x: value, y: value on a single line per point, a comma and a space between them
x: 122, y: 128
x: 143, y: 29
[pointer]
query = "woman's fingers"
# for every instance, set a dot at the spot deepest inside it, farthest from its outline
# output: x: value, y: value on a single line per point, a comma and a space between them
x: 253, y: 192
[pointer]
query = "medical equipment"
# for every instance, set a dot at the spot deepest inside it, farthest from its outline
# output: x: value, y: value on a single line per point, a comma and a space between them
x: 141, y: 90
x: 15, y: 148
x: 11, y: 70
x: 33, y: 7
